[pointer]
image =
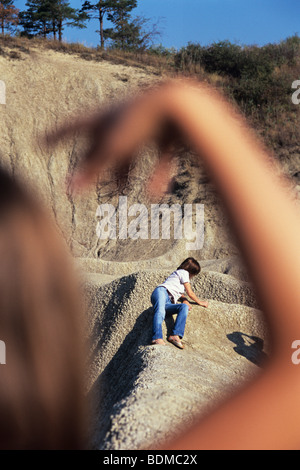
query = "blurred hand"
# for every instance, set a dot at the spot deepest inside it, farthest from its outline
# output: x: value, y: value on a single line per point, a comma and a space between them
x: 115, y: 136
x: 187, y: 303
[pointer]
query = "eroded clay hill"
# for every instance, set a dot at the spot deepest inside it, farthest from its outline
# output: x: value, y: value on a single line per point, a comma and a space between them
x: 137, y: 390
x: 45, y: 88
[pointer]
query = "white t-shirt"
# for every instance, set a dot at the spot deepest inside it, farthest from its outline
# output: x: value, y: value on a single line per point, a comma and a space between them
x: 174, y: 283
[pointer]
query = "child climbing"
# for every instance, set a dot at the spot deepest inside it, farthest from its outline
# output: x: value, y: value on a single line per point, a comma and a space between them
x: 165, y: 297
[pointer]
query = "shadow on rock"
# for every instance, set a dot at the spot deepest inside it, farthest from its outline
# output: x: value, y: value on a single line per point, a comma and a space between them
x: 251, y: 347
x: 117, y: 380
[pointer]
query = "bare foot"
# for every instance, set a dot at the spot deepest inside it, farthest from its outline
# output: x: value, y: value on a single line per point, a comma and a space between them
x: 176, y: 341
x: 159, y: 341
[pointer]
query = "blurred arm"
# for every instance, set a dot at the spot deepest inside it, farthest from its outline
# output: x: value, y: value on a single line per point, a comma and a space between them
x: 266, y: 414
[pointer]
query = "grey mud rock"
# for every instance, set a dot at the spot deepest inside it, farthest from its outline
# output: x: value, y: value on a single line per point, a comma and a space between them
x: 137, y: 391
x: 142, y: 394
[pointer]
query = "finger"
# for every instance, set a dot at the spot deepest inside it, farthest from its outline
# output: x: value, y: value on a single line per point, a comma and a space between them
x: 79, y: 181
x: 162, y: 178
x: 83, y: 124
x: 87, y: 174
x: 122, y: 171
x: 94, y: 123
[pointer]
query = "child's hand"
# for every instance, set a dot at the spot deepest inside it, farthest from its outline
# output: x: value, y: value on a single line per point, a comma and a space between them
x: 187, y: 303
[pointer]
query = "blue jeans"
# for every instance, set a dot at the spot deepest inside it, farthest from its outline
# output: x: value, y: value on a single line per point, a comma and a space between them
x: 162, y: 304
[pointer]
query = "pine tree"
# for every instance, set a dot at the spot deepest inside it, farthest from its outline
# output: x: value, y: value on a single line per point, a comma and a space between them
x: 116, y: 11
x: 132, y: 35
x: 43, y: 17
x: 36, y: 19
x: 63, y: 14
x: 9, y: 15
x: 98, y: 11
x: 123, y: 29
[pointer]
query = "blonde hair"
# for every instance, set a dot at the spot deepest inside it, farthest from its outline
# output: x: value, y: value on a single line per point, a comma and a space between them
x: 41, y: 323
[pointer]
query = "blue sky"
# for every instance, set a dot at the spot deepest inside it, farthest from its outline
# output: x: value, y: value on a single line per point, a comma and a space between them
x: 205, y: 21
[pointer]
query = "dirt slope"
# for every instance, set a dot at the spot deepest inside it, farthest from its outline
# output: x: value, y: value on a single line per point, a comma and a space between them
x: 137, y: 391
x: 140, y: 393
x: 45, y: 88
